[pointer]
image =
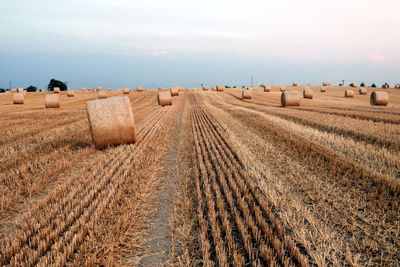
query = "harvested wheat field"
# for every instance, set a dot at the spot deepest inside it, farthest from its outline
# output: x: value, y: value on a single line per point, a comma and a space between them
x: 214, y: 179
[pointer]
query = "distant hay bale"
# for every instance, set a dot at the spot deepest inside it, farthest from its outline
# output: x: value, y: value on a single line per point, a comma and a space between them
x: 20, y: 90
x: 102, y: 94
x: 70, y: 93
x: 379, y: 99
x: 13, y: 90
x: 83, y: 89
x: 205, y: 88
x: 111, y: 121
x: 139, y: 88
x: 174, y: 91
x: 295, y: 84
x: 353, y: 85
x: 282, y: 88
x: 325, y: 84
x: 126, y: 91
x: 100, y: 88
x: 220, y: 88
x: 290, y: 98
x: 164, y: 98
x: 56, y: 90
x: 323, y: 90
x: 246, y: 94
x: 385, y: 86
x: 18, y: 98
x: 308, y: 93
x: 397, y: 86
x: 228, y: 86
x: 349, y: 93
x: 160, y: 88
x: 266, y: 87
x: 90, y: 89
x: 109, y: 89
x: 362, y: 91
x: 52, y: 100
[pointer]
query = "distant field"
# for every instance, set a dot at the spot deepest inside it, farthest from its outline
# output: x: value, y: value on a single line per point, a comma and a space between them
x: 256, y: 184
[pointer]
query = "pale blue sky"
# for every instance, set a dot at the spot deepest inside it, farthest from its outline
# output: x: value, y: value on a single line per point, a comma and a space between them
x: 158, y: 42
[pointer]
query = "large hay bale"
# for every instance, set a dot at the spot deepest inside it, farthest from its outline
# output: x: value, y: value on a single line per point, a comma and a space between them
x: 385, y: 86
x: 174, y: 91
x: 164, y: 98
x: 362, y: 91
x: 290, y: 98
x: 52, y: 100
x: 83, y: 89
x: 20, y: 90
x: 56, y: 90
x: 308, y: 93
x: 205, y: 88
x: 323, y: 90
x: 13, y: 90
x: 282, y: 88
x: 220, y: 88
x: 397, y: 86
x: 70, y: 93
x: 139, y: 88
x: 102, y: 94
x: 18, y: 98
x: 295, y: 84
x: 349, y: 93
x: 246, y: 94
x: 353, y: 85
x: 126, y: 91
x: 111, y: 121
x: 379, y: 99
x: 99, y: 88
x: 325, y: 84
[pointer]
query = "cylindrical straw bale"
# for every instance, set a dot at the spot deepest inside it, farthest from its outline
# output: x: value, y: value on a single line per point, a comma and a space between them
x: 246, y: 94
x: 83, y: 89
x: 362, y: 91
x: 139, y: 88
x: 379, y: 99
x: 205, y: 88
x: 56, y: 90
x: 70, y: 93
x: 220, y: 88
x: 295, y: 84
x: 164, y: 98
x: 174, y: 91
x: 397, y: 86
x: 52, y: 100
x: 290, y: 98
x: 102, y: 94
x: 228, y: 86
x: 325, y: 84
x: 385, y: 86
x: 308, y: 93
x: 111, y: 121
x: 99, y: 88
x: 349, y: 93
x: 266, y: 87
x: 13, y: 90
x: 20, y: 90
x: 18, y: 98
x: 109, y: 89
x: 323, y: 90
x: 126, y: 91
x: 353, y: 85
x: 282, y: 88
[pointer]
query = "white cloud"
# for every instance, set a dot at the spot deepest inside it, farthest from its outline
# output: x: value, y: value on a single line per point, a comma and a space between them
x: 159, y: 53
x: 376, y: 58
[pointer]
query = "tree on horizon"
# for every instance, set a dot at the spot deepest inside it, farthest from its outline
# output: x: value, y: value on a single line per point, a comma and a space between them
x: 56, y: 83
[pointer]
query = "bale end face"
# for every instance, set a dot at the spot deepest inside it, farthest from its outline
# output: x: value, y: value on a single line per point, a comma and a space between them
x: 379, y: 99
x: 246, y: 94
x: 174, y: 91
x: 111, y: 121
x: 290, y: 98
x: 164, y: 99
x: 362, y: 91
x: 52, y: 101
x: 349, y: 93
x: 18, y: 98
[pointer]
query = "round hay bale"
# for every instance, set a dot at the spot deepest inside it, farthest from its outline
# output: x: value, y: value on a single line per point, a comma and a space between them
x: 83, y: 89
x: 325, y: 84
x: 295, y: 84
x: 290, y: 98
x: 385, y: 86
x: 323, y: 90
x: 246, y: 94
x: 102, y: 94
x: 56, y: 90
x: 379, y: 99
x: 139, y: 88
x: 349, y: 93
x: 353, y: 85
x: 282, y: 88
x: 90, y: 89
x: 109, y: 89
x: 205, y: 88
x: 308, y: 93
x: 18, y: 98
x: 220, y: 88
x: 174, y: 91
x: 70, y: 93
x: 266, y: 87
x: 362, y: 91
x: 20, y: 90
x: 126, y: 91
x: 397, y: 86
x: 52, y: 100
x: 111, y: 121
x: 228, y: 86
x: 13, y: 90
x: 100, y: 88
x: 164, y: 98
